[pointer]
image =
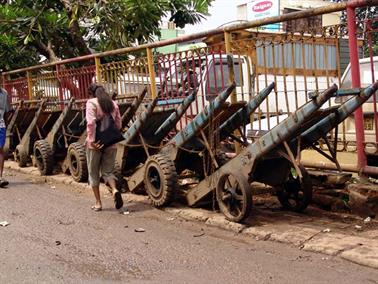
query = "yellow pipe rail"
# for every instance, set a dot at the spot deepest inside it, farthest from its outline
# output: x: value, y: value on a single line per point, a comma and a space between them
x: 151, y: 72
x: 98, y: 70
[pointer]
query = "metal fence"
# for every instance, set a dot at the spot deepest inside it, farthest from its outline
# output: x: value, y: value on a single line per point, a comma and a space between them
x: 298, y: 62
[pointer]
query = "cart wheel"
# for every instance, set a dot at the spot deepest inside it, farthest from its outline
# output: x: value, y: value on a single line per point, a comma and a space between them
x: 234, y: 196
x: 77, y: 162
x: 160, y: 179
x: 43, y: 155
x: 20, y: 157
x: 296, y: 193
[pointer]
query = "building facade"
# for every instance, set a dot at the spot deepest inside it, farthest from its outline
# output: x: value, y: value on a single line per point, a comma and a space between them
x: 258, y: 9
x: 169, y: 31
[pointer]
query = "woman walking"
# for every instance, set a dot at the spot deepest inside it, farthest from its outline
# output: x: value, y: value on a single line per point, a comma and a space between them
x: 101, y: 160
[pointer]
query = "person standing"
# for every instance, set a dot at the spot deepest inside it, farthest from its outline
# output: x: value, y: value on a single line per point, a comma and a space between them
x: 101, y: 159
x: 4, y: 108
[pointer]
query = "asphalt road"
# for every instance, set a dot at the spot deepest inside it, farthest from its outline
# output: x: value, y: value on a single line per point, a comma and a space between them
x: 54, y: 237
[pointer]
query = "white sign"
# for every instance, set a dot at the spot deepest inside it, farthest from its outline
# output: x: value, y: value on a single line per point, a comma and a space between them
x: 259, y: 9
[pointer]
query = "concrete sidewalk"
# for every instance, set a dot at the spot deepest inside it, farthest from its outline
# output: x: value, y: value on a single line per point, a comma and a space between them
x: 320, y: 231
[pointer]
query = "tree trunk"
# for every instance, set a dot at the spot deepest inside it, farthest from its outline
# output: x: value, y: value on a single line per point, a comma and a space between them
x: 74, y: 28
x: 46, y: 50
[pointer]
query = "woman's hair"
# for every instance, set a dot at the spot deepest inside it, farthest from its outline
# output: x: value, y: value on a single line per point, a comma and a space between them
x: 104, y: 100
x: 92, y: 89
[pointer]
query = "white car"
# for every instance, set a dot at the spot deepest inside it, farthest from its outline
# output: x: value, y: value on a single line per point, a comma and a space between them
x: 369, y: 109
x: 260, y: 127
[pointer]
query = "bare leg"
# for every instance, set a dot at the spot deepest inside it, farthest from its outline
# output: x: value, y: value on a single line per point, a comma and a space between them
x: 107, y: 169
x: 112, y: 184
x: 96, y: 191
x: 1, y: 162
x: 93, y: 162
x: 118, y: 202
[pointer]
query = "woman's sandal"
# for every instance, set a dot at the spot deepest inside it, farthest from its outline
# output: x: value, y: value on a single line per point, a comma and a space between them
x: 3, y: 182
x: 118, y: 202
x: 96, y: 209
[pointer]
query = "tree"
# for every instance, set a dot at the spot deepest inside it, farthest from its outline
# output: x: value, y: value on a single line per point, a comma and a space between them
x: 13, y: 56
x: 59, y: 29
x: 367, y: 25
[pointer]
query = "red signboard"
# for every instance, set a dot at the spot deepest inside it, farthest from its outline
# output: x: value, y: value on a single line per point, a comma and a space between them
x: 262, y: 6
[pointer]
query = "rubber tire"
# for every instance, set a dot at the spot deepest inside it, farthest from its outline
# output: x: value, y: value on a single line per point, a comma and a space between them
x: 21, y: 159
x: 46, y: 165
x: 246, y: 192
x: 166, y: 170
x: 76, y: 154
x: 306, y: 186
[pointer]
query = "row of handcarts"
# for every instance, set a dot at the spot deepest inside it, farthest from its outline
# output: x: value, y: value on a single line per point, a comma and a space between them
x: 159, y: 150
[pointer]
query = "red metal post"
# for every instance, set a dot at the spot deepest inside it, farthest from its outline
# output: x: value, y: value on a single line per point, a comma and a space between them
x: 57, y: 71
x: 371, y: 54
x: 356, y: 83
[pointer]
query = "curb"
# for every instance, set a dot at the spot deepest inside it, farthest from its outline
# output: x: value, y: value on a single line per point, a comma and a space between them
x: 363, y: 251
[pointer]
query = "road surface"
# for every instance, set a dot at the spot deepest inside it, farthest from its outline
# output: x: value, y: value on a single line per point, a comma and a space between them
x: 54, y: 237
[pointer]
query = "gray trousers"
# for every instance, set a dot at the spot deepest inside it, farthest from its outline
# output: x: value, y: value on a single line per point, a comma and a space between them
x: 101, y: 163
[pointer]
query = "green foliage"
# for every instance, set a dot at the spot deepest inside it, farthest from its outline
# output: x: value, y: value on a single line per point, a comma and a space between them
x: 14, y: 56
x: 59, y: 29
x: 364, y: 15
x: 368, y: 27
x: 34, y: 27
x: 188, y: 12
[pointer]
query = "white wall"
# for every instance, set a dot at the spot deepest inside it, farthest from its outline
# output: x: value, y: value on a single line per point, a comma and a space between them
x: 327, y: 19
